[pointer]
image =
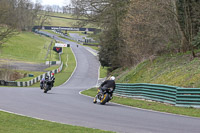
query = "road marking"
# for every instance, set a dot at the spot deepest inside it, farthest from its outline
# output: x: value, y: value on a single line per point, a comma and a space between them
x: 95, y: 54
x: 143, y: 109
x: 74, y: 68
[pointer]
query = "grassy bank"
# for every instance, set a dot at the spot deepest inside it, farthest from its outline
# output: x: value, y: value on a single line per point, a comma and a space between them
x: 68, y: 67
x: 65, y: 22
x: 27, y: 47
x: 11, y: 123
x: 176, y: 70
x: 149, y: 105
x: 103, y: 72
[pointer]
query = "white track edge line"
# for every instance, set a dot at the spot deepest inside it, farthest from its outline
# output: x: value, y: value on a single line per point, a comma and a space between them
x: 143, y: 109
x: 72, y: 72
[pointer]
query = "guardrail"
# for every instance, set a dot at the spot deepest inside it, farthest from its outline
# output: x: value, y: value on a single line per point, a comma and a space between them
x: 187, y: 97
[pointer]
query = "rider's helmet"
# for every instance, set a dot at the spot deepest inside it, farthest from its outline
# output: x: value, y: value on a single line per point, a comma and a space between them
x: 112, y: 78
x: 52, y: 74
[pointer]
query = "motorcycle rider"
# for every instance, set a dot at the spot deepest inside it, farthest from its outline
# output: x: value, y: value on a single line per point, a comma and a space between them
x: 47, y: 78
x: 110, y: 83
x: 42, y: 83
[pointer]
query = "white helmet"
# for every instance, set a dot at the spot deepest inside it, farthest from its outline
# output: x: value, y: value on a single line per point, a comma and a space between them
x: 112, y: 78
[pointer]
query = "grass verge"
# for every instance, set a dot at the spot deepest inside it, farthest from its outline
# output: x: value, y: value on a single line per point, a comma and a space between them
x: 69, y: 64
x: 34, y: 73
x: 103, y: 72
x: 175, y: 70
x: 68, y: 67
x: 11, y: 123
x: 150, y: 105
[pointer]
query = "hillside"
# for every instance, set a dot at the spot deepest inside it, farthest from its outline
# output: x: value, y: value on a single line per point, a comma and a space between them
x: 26, y: 46
x: 23, y: 54
x: 176, y: 70
x: 57, y: 21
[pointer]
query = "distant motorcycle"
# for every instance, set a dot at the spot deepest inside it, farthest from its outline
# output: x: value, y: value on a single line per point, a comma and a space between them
x: 104, y: 96
x: 46, y: 84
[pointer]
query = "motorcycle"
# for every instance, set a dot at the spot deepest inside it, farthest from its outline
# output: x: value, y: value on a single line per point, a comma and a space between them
x: 46, y: 84
x: 103, y: 96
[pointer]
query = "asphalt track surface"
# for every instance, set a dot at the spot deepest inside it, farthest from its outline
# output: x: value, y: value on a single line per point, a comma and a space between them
x: 64, y: 104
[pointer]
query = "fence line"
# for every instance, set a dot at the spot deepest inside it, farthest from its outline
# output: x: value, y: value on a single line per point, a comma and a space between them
x: 187, y: 97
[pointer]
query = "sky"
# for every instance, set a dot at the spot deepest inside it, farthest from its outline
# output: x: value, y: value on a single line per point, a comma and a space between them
x: 53, y: 2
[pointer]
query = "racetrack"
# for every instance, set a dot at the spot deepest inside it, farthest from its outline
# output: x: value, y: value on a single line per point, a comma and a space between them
x: 64, y: 104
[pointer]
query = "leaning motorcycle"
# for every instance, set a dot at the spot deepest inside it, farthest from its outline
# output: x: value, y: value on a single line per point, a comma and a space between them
x: 104, y: 96
x: 46, y: 84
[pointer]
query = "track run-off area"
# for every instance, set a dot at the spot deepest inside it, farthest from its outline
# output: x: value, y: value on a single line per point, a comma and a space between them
x: 64, y: 104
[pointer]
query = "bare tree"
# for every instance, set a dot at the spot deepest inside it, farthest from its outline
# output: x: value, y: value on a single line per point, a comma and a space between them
x: 188, y: 16
x: 106, y: 14
x: 44, y: 17
x: 150, y: 28
x: 8, y: 20
x: 19, y: 15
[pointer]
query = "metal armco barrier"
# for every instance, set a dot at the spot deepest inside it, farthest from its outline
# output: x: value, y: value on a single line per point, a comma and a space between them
x: 186, y: 97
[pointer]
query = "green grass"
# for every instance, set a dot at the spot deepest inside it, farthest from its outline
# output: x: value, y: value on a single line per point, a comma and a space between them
x: 149, y: 105
x: 68, y: 68
x: 27, y: 47
x: 177, y: 70
x: 34, y: 73
x: 62, y: 15
x: 93, y: 47
x: 30, y: 48
x: 53, y: 21
x: 103, y: 72
x: 52, y: 67
x: 61, y: 22
x: 11, y: 123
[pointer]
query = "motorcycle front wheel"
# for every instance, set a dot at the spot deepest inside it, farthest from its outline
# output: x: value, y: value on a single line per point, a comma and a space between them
x: 46, y: 88
x: 104, y: 99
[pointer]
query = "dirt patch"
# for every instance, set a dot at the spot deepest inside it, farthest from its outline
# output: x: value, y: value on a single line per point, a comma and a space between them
x: 9, y: 75
x: 7, y: 67
x: 19, y: 65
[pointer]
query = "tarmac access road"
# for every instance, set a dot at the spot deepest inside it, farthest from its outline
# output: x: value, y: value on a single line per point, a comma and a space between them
x: 64, y: 104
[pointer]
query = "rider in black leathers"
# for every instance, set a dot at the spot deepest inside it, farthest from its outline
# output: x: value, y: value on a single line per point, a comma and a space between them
x: 108, y: 84
x: 47, y: 78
